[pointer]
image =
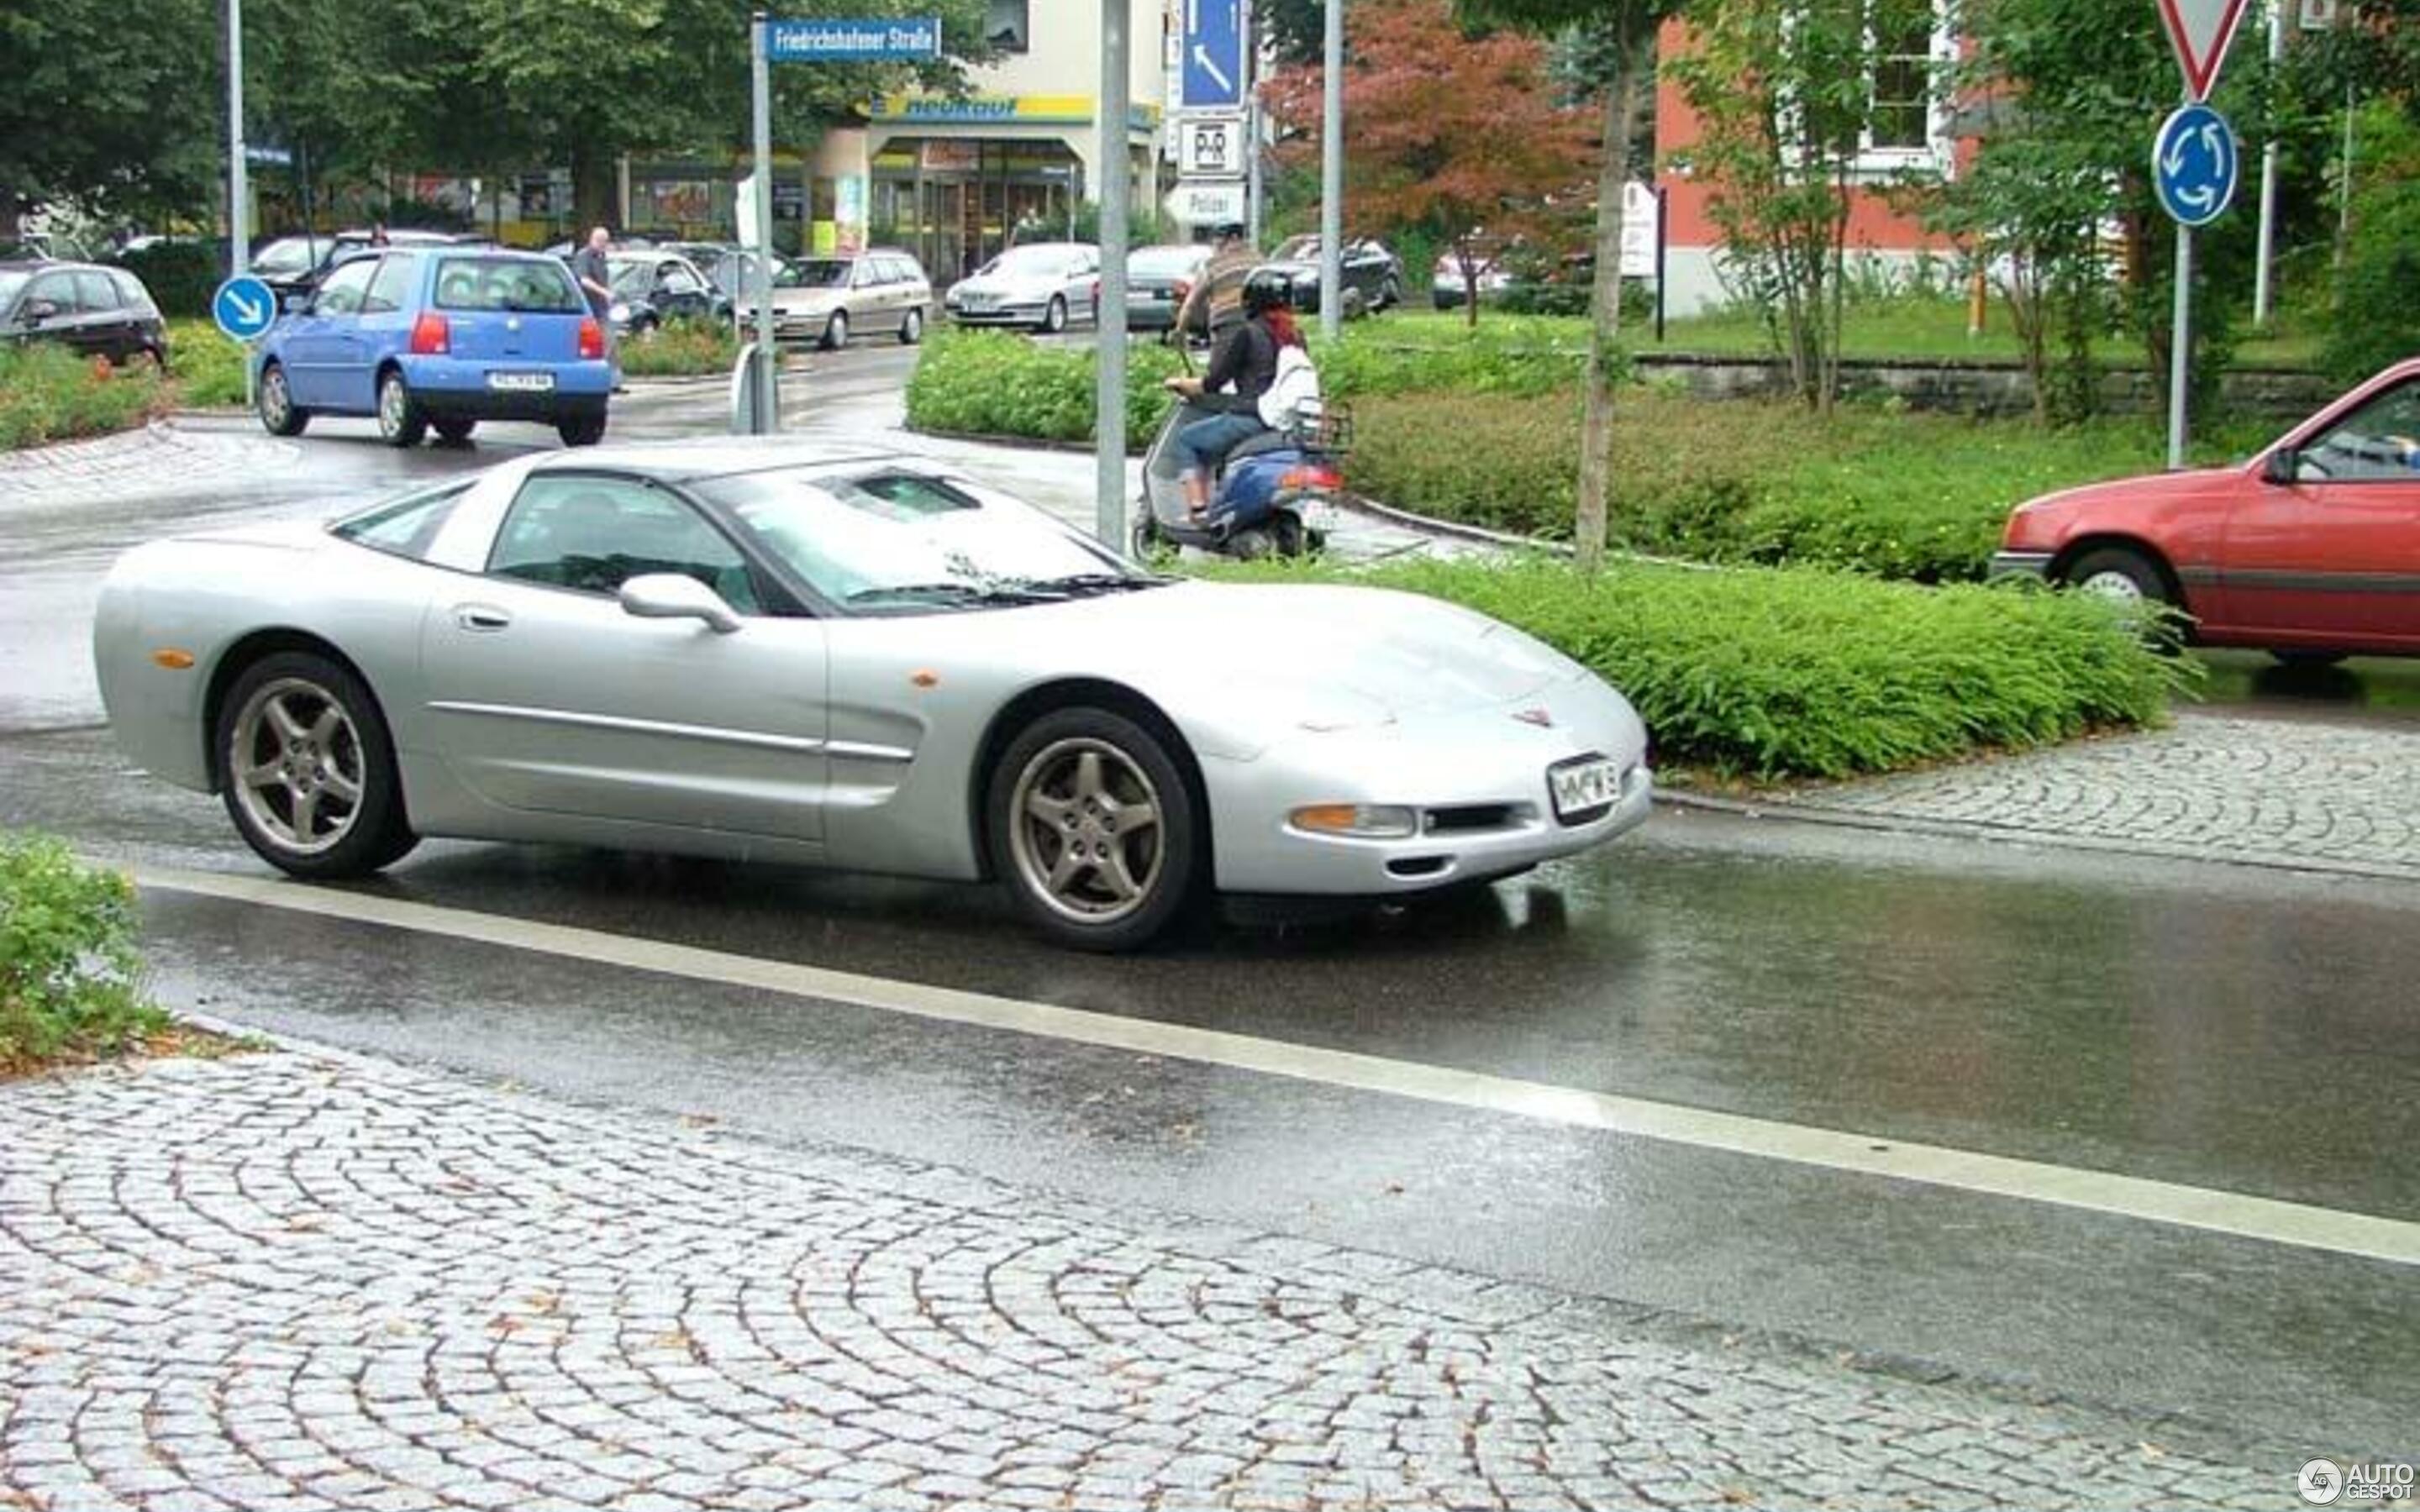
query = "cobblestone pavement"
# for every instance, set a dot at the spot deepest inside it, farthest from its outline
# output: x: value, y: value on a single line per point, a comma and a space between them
x: 2277, y: 793
x: 288, y: 1281
x: 157, y: 459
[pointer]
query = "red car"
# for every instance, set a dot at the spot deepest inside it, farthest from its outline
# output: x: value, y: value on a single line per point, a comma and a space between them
x: 2311, y: 549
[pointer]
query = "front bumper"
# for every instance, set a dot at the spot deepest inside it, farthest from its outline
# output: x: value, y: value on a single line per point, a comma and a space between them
x: 2035, y: 565
x: 999, y: 314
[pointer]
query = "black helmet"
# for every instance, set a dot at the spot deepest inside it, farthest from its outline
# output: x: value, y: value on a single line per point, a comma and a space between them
x: 1263, y: 293
x: 1229, y: 231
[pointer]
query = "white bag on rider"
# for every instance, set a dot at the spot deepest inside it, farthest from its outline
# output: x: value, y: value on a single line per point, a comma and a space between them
x: 1293, y: 391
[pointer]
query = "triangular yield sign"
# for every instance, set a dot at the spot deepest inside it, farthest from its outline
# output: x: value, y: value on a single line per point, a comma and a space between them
x: 2200, y: 31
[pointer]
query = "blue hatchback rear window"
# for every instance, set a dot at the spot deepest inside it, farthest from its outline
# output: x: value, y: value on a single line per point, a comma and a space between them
x: 512, y: 284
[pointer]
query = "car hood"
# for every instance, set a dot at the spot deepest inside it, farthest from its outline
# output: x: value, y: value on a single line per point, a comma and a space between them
x: 1274, y: 659
x: 1291, y: 267
x: 812, y: 300
x: 1001, y: 286
x: 2148, y: 489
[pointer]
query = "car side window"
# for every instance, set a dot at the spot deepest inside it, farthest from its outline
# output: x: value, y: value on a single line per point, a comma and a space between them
x: 679, y: 280
x: 406, y: 527
x: 391, y: 287
x: 53, y: 288
x: 95, y: 293
x: 2378, y: 442
x: 591, y: 535
x: 343, y: 292
x: 131, y: 290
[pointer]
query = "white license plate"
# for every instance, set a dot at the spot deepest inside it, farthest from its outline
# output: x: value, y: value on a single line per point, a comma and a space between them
x: 1319, y: 515
x: 522, y: 382
x: 1581, y: 786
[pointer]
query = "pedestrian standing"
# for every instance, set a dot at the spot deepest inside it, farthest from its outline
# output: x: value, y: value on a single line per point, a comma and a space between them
x: 595, y: 276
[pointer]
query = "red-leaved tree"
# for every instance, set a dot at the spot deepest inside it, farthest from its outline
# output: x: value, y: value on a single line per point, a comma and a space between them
x: 1448, y: 133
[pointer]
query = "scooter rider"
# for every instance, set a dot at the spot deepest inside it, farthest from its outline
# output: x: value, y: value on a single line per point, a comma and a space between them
x: 1240, y: 371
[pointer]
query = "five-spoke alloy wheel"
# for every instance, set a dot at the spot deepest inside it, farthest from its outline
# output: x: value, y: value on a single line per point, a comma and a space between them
x: 1094, y: 829
x: 308, y: 768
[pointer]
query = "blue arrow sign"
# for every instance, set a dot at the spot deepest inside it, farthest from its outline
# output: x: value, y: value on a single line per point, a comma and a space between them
x: 1214, y: 54
x: 872, y: 40
x: 244, y: 307
x: 2194, y: 163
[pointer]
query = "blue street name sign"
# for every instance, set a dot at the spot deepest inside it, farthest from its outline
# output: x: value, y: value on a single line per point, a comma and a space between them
x: 244, y: 307
x: 870, y: 39
x: 2193, y: 163
x: 1213, y: 73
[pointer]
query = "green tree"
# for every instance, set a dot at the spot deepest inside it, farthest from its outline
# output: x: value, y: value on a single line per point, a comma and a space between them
x: 1620, y: 36
x: 108, y: 109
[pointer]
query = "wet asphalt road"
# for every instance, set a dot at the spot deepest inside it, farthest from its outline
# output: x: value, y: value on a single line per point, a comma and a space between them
x: 2243, y: 1031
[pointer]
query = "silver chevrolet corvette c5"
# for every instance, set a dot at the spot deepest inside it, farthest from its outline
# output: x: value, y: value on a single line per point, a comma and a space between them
x: 854, y: 658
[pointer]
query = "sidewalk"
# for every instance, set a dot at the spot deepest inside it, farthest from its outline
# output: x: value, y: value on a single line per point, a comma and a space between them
x: 295, y: 1280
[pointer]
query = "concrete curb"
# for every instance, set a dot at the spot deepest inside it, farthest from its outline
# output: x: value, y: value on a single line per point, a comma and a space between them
x: 1789, y: 811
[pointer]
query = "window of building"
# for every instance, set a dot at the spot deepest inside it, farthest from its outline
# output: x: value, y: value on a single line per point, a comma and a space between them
x: 1006, y: 25
x: 1912, y: 51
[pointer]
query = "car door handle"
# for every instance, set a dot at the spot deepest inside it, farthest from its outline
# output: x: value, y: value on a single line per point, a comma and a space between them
x: 485, y: 618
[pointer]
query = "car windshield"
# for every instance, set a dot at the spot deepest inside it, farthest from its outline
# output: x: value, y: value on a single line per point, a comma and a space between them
x: 897, y: 542
x: 814, y: 272
x: 522, y: 285
x: 1295, y: 249
x: 632, y: 276
x: 1027, y: 261
x: 1162, y: 262
x: 290, y: 255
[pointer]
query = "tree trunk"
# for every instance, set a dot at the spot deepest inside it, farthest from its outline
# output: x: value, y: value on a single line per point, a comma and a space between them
x: 592, y: 185
x: 1635, y: 39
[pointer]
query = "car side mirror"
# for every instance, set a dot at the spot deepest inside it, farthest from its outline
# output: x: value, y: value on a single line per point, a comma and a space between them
x: 671, y: 595
x: 2281, y: 467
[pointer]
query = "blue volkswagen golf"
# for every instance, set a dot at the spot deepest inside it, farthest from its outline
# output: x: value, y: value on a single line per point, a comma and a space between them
x: 442, y: 338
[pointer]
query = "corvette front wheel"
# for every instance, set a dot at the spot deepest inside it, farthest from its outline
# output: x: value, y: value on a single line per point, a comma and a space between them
x: 1095, y: 830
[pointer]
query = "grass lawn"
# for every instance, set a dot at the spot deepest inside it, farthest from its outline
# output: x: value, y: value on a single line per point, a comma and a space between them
x: 1909, y: 328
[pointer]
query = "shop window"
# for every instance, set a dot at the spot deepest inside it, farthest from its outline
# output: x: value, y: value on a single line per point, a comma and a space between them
x: 1006, y: 25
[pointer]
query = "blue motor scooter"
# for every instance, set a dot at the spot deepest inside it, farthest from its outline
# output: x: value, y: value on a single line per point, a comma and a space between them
x: 1275, y: 494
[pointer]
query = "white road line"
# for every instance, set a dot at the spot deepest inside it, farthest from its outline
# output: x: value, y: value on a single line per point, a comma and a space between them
x: 2227, y: 1212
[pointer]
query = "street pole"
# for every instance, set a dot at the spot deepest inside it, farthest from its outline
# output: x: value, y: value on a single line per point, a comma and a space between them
x: 1109, y: 386
x: 1251, y: 129
x: 2261, y: 277
x: 239, y: 193
x: 2181, y: 350
x: 1331, y: 176
x: 763, y: 412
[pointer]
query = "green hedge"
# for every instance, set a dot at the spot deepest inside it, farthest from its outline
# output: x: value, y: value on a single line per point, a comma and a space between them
x: 180, y: 275
x: 49, y: 394
x: 69, y: 978
x: 208, y: 368
x: 1406, y: 354
x: 1798, y: 673
x: 1915, y: 496
x: 997, y: 383
x: 682, y: 348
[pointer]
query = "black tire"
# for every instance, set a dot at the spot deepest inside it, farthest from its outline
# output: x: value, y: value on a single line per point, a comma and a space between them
x: 1390, y: 294
x: 836, y: 332
x: 276, y: 770
x: 400, y: 422
x: 1251, y: 545
x: 2134, y: 582
x: 1145, y: 538
x: 911, y: 327
x: 279, y: 414
x: 454, y: 432
x: 1054, y: 317
x: 1095, y: 906
x: 2294, y: 658
x: 1286, y: 534
x: 581, y: 431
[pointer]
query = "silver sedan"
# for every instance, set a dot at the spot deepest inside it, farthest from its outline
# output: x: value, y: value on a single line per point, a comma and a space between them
x: 765, y: 651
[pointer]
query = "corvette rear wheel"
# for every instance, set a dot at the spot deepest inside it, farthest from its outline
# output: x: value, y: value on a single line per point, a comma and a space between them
x: 308, y: 770
x: 1094, y: 829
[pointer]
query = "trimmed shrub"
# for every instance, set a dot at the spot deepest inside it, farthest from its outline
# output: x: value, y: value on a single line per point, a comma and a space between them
x: 1915, y: 496
x: 49, y: 394
x: 208, y: 368
x: 69, y: 976
x: 997, y: 383
x: 1798, y: 673
x: 1501, y: 355
x: 682, y: 348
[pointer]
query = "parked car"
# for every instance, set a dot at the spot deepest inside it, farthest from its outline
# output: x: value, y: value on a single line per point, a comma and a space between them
x: 1043, y: 283
x: 733, y: 272
x: 438, y: 337
x: 2311, y: 549
x: 651, y: 287
x: 1450, y: 285
x: 1374, y: 278
x: 1157, y: 280
x: 297, y: 264
x: 706, y: 647
x: 826, y: 299
x: 96, y: 311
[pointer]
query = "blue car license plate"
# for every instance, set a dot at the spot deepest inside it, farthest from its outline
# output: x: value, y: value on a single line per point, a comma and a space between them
x: 522, y: 382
